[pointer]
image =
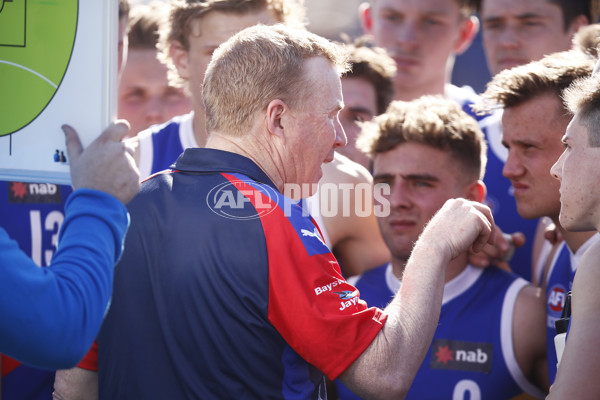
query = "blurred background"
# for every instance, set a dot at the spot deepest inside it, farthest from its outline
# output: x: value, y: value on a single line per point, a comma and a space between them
x: 331, y: 18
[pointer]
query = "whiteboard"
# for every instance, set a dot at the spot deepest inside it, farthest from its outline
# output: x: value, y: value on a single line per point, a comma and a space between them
x: 58, y: 64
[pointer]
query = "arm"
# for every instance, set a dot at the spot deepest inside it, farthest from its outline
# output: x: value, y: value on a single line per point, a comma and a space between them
x: 75, y: 384
x: 388, y: 366
x: 81, y: 382
x: 529, y: 335
x: 50, y: 316
x: 577, y: 373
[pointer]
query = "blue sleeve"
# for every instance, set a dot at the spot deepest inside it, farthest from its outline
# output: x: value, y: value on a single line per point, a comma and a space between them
x: 50, y: 316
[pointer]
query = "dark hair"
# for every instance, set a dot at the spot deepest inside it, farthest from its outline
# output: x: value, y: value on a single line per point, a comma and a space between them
x: 123, y: 9
x: 376, y: 67
x: 571, y: 9
x: 145, y: 22
x: 552, y: 74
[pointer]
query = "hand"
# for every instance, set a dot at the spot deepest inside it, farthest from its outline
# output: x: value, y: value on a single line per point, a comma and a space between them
x: 106, y: 164
x: 500, y: 253
x: 459, y: 225
x: 552, y: 234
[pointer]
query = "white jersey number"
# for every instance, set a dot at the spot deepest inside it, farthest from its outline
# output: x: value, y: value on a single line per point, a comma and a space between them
x: 466, y: 386
x: 52, y: 225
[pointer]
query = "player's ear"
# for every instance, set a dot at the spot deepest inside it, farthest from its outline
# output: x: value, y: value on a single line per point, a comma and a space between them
x: 277, y: 113
x: 577, y: 23
x: 475, y: 191
x: 366, y: 17
x: 180, y: 57
x: 467, y: 32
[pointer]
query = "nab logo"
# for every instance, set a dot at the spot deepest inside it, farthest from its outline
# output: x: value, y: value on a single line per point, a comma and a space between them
x: 464, y: 356
x: 241, y: 200
x: 31, y: 193
x: 556, y: 298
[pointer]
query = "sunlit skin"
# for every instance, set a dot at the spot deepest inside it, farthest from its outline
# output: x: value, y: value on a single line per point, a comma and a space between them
x: 360, y: 104
x: 422, y: 36
x: 206, y: 35
x: 421, y: 179
x: 531, y: 132
x: 314, y: 130
x: 145, y: 96
x: 516, y: 32
x: 578, y: 173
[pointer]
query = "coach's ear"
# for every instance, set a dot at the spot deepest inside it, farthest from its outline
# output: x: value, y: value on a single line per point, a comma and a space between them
x: 277, y: 113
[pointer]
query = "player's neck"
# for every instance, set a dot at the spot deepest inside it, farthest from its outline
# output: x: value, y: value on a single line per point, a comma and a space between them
x: 404, y: 93
x: 199, y: 127
x: 575, y: 239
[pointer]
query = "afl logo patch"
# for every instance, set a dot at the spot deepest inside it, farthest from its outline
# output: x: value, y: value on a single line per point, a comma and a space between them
x: 556, y: 298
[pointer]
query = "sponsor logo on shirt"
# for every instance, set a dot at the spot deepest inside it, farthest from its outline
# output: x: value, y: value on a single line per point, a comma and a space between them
x: 315, y: 234
x: 461, y: 356
x: 326, y: 288
x: 33, y: 193
x: 349, y: 298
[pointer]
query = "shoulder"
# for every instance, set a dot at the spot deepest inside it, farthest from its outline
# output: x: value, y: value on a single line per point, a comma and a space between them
x: 587, y: 277
x: 344, y: 170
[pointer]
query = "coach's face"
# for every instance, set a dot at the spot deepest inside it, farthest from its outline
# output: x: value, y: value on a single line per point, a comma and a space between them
x: 313, y: 130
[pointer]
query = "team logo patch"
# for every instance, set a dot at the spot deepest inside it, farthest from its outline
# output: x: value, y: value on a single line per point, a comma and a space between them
x: 556, y: 298
x: 33, y: 193
x: 461, y: 356
x: 232, y: 200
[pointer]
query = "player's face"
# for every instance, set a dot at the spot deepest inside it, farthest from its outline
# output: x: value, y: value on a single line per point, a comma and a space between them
x: 532, y: 132
x: 578, y: 173
x: 313, y: 129
x: 360, y: 104
x: 207, y: 34
x: 516, y: 32
x: 420, y: 35
x: 145, y: 97
x: 421, y: 179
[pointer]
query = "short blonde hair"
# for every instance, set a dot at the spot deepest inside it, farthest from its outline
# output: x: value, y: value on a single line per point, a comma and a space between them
x: 433, y: 121
x: 183, y: 13
x: 258, y: 65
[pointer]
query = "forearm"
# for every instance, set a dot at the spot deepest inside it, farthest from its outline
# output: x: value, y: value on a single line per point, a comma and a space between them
x: 388, y: 366
x: 50, y: 316
x: 75, y: 384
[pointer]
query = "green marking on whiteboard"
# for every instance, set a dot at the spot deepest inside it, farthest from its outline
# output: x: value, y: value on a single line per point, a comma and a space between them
x: 36, y: 42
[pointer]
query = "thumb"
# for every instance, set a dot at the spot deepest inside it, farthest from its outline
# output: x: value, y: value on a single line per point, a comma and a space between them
x: 74, y: 147
x: 518, y: 239
x: 116, y: 131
